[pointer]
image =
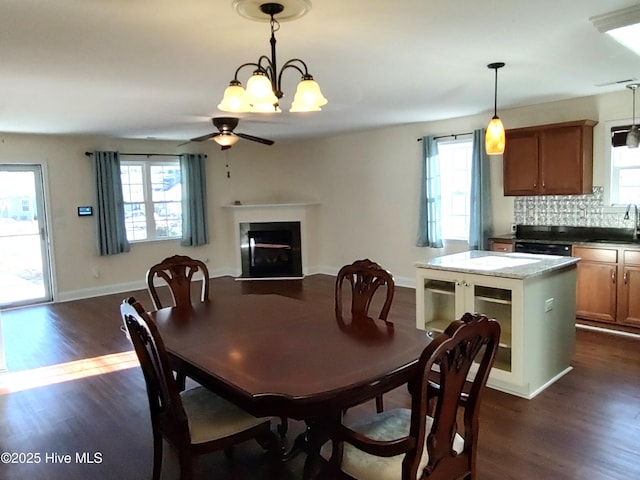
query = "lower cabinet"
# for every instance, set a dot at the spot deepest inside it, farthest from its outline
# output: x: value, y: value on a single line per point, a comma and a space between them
x: 629, y: 313
x: 607, y: 278
x: 536, y: 315
x: 502, y: 246
x: 596, y: 286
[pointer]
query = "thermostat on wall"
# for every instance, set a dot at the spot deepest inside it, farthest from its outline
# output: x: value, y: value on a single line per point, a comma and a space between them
x: 85, y: 211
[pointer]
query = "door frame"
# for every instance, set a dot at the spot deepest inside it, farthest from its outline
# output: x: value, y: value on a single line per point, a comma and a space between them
x: 42, y: 209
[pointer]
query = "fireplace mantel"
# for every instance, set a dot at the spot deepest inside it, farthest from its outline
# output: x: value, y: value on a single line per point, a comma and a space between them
x: 268, y: 206
x: 269, y: 212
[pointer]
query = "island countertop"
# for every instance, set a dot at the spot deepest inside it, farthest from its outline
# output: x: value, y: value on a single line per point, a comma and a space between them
x: 499, y: 264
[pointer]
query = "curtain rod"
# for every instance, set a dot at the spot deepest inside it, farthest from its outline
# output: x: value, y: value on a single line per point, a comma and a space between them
x: 88, y: 154
x: 454, y: 135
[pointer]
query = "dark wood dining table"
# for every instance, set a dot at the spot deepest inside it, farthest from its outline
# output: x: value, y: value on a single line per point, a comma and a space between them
x: 279, y: 356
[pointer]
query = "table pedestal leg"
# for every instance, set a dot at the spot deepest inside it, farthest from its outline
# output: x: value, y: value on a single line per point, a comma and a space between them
x: 317, y: 432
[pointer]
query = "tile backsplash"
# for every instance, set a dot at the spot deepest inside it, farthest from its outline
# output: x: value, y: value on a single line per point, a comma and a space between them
x: 569, y: 210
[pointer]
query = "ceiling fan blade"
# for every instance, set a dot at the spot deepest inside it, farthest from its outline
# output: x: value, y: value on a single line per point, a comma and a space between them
x: 205, y: 137
x: 255, y: 139
x: 225, y: 147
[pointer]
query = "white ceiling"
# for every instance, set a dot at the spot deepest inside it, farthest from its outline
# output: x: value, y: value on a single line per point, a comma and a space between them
x: 158, y: 68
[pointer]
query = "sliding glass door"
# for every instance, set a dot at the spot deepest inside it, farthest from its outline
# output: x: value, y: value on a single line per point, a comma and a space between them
x: 25, y: 267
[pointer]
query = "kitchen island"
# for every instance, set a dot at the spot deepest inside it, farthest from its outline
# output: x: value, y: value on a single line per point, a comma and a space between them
x: 532, y: 296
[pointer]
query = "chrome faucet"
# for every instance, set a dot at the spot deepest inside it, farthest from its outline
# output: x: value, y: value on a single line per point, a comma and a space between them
x: 636, y: 228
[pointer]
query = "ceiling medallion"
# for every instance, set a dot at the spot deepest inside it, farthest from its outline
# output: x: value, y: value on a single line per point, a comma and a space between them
x: 252, y: 9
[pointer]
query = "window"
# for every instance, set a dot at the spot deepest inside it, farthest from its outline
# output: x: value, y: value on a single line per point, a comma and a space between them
x: 455, y: 187
x: 152, y: 199
x: 625, y: 169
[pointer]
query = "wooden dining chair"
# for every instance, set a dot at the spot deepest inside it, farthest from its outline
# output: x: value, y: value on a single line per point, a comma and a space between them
x: 178, y: 272
x: 195, y: 421
x: 409, y: 444
x: 364, y: 278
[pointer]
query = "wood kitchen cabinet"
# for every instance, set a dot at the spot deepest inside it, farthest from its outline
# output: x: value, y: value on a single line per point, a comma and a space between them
x: 607, y: 278
x: 502, y: 246
x: 629, y: 303
x: 596, y: 286
x: 554, y: 159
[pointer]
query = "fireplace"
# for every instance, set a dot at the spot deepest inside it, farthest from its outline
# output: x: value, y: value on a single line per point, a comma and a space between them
x: 270, y: 250
x: 300, y: 217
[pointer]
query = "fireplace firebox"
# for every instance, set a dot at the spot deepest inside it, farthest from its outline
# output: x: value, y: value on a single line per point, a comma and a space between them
x: 271, y: 250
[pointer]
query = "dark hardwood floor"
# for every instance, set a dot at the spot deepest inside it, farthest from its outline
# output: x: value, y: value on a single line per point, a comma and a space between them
x: 587, y: 425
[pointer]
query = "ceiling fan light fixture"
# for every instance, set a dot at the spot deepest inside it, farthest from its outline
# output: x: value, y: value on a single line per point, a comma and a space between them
x: 226, y: 139
x: 494, y: 136
x: 633, y: 137
x: 234, y: 99
x: 308, y: 97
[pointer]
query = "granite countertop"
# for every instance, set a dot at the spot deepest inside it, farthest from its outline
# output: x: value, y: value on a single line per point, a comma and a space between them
x: 499, y: 264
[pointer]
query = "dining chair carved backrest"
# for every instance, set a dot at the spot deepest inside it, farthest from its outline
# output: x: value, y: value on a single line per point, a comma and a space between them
x: 434, y: 447
x: 179, y: 272
x: 194, y: 421
x: 364, y: 278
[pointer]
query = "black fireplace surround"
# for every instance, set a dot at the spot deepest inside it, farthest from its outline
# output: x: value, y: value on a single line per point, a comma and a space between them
x: 271, y: 250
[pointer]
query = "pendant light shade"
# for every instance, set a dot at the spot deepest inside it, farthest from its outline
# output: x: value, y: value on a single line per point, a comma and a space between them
x: 494, y: 137
x: 234, y: 99
x: 633, y: 137
x: 308, y: 96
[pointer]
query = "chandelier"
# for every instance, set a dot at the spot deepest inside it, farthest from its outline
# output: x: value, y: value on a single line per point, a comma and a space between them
x: 264, y: 87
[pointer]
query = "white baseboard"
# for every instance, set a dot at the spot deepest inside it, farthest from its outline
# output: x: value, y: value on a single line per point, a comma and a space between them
x: 118, y: 288
x: 220, y: 272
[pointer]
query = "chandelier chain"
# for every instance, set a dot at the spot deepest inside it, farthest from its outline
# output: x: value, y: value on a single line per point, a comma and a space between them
x: 275, y: 25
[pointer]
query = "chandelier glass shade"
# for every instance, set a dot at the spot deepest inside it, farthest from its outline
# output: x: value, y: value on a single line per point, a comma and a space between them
x: 633, y: 137
x: 494, y: 136
x: 263, y: 92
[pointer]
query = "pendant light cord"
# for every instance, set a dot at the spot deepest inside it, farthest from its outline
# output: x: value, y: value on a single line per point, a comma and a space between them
x: 633, y: 109
x: 495, y: 96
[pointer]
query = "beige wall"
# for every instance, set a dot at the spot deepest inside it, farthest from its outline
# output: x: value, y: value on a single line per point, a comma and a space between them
x: 366, y: 183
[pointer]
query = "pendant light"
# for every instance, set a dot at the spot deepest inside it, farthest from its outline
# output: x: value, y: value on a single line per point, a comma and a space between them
x: 494, y: 138
x: 633, y: 137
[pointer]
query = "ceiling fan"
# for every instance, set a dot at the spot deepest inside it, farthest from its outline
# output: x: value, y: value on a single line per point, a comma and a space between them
x: 225, y: 136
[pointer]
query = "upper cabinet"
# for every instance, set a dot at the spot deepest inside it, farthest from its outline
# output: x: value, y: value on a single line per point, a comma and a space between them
x: 552, y: 159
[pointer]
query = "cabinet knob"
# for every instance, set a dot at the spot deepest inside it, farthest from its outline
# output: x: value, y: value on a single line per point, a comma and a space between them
x: 613, y: 276
x: 625, y: 277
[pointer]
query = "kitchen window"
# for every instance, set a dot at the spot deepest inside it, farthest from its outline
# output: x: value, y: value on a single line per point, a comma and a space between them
x: 455, y: 184
x: 625, y: 169
x: 152, y: 196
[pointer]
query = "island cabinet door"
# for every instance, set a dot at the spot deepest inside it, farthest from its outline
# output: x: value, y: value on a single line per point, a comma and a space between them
x: 443, y: 296
x: 502, y: 299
